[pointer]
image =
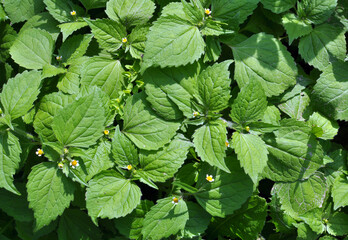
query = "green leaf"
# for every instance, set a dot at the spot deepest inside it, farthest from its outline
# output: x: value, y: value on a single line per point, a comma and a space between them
x: 172, y: 42
x: 92, y: 4
x: 304, y: 232
x: 338, y: 224
x: 271, y: 115
x: 130, y: 13
x: 137, y: 40
x: 110, y: 195
x: 50, y: 104
x: 108, y: 33
x: 143, y: 127
x: 296, y: 106
x: 214, y: 87
x: 123, y: 151
x: 80, y: 123
x: 301, y: 196
x: 68, y: 28
x: 10, y: 151
x: 20, y: 92
x: 252, y: 153
x: 21, y: 10
x: 317, y: 11
x: 194, y: 11
x: 213, y: 49
x: 198, y: 221
x: 74, y: 48
x: 7, y: 37
x: 278, y: 6
x: 3, y: 15
x: 131, y: 225
x: 105, y: 73
x: 33, y: 49
x: 340, y: 192
x: 210, y: 143
x: 264, y: 59
x: 329, y: 127
x: 165, y: 219
x: 49, y: 192
x: 295, y: 27
x: 294, y: 153
x: 331, y: 91
x: 61, y: 10
x: 229, y: 11
x: 324, y: 42
x: 250, y: 104
x: 227, y: 192
x: 281, y: 220
x: 75, y: 224
x: 163, y: 164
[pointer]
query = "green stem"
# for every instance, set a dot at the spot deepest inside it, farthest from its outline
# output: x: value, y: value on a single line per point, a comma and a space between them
x: 23, y: 133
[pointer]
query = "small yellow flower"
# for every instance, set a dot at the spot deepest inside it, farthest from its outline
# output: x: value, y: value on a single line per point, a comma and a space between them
x: 106, y: 132
x: 59, y: 58
x: 227, y: 143
x: 66, y: 151
x: 209, y: 178
x: 60, y: 165
x: 247, y: 128
x: 73, y: 13
x: 74, y: 164
x: 195, y: 114
x: 207, y: 11
x: 39, y: 152
x: 129, y: 167
x: 175, y: 200
x: 124, y: 40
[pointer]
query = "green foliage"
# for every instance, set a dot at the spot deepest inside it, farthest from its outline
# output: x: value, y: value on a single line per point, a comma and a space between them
x: 168, y: 119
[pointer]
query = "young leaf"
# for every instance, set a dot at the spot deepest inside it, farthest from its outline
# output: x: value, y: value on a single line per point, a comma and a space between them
x: 21, y: 10
x: 210, y: 143
x: 278, y: 6
x: 33, y: 49
x: 49, y: 192
x: 61, y: 10
x: 68, y: 28
x: 252, y: 153
x: 227, y: 192
x: 130, y: 13
x: 110, y: 195
x: 194, y: 11
x: 74, y: 48
x: 317, y: 11
x: 264, y: 59
x: 10, y: 151
x: 295, y: 27
x: 137, y: 40
x: 329, y: 127
x: 214, y: 87
x: 321, y: 44
x: 137, y: 115
x: 165, y: 218
x: 163, y: 164
x: 80, y: 123
x: 250, y: 104
x: 296, y: 106
x: 340, y: 192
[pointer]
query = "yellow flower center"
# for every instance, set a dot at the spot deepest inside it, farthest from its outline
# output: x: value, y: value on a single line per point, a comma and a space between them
x: 207, y: 11
x: 124, y: 40
x: 209, y: 178
x: 247, y: 128
x: 74, y: 163
x: 73, y: 13
x: 59, y: 58
x: 40, y: 152
x: 60, y: 165
x: 106, y: 132
x: 227, y: 144
x: 129, y: 167
x: 175, y: 200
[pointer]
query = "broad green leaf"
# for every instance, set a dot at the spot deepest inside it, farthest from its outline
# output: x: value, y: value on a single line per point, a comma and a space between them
x: 324, y: 42
x: 304, y: 232
x: 75, y: 224
x: 281, y: 220
x: 214, y: 87
x: 20, y: 92
x: 108, y: 33
x: 227, y: 192
x: 213, y: 49
x: 33, y: 49
x: 123, y: 151
x: 330, y: 95
x: 3, y: 15
x: 338, y: 224
x: 271, y: 115
x: 110, y: 195
x: 51, y: 71
x: 49, y: 105
x: 165, y: 219
x: 143, y: 127
x: 340, y: 192
x: 250, y: 104
x: 74, y: 48
x: 296, y: 106
x: 264, y: 59
x: 80, y: 123
x: 294, y: 153
x: 194, y: 11
x: 278, y: 6
x: 105, y: 73
x: 252, y: 153
x: 10, y: 151
x: 49, y: 192
x: 210, y: 143
x: 317, y: 11
x: 131, y: 225
x: 137, y: 40
x: 301, y: 196
x: 68, y: 28
x: 92, y: 4
x: 229, y: 11
x: 335, y: 164
x: 61, y: 10
x: 172, y: 42
x: 314, y: 218
x: 7, y: 37
x: 21, y: 10
x: 198, y: 221
x: 329, y: 127
x: 130, y: 13
x: 163, y: 164
x: 295, y: 27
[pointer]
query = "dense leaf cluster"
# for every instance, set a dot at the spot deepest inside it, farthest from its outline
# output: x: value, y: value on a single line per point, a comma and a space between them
x: 200, y: 119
